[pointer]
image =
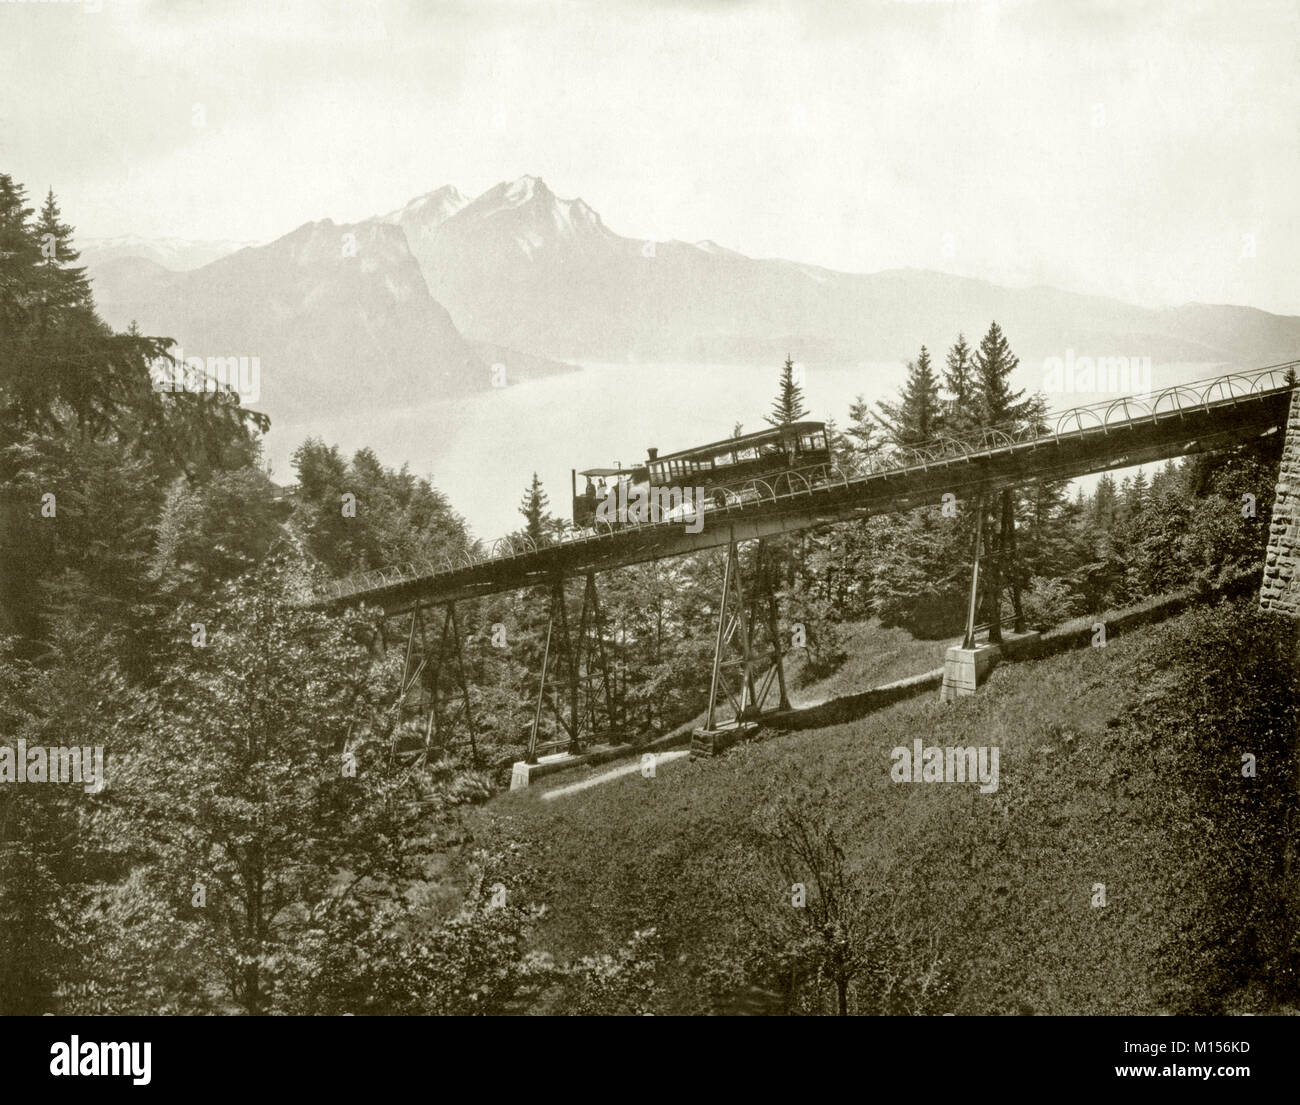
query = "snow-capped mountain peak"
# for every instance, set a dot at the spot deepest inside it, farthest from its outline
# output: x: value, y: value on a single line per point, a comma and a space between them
x: 430, y: 210
x: 529, y: 216
x: 524, y: 189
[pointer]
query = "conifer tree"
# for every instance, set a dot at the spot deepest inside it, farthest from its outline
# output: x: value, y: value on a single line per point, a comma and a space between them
x: 18, y: 260
x: 915, y: 418
x: 788, y: 406
x: 63, y: 284
x: 840, y: 446
x: 994, y: 363
x: 862, y: 434
x: 1138, y: 494
x: 55, y: 353
x: 533, y: 507
x: 960, y: 408
x: 1105, y: 502
x: 18, y: 252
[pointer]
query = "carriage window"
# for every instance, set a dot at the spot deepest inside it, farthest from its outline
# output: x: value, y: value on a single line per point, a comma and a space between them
x: 721, y: 459
x: 772, y: 448
x: 747, y: 454
x: 706, y: 463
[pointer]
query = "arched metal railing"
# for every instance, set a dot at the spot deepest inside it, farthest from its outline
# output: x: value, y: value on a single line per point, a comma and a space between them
x: 1104, y: 417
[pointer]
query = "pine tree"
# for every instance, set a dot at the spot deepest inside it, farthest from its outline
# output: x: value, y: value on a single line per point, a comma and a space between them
x: 18, y: 260
x: 862, y: 434
x: 55, y: 353
x: 998, y: 405
x: 63, y: 285
x: 1166, y: 480
x: 1036, y: 414
x: 841, y: 449
x: 960, y: 409
x: 788, y: 406
x: 1138, y: 493
x: 915, y: 418
x: 1105, y: 501
x: 533, y: 507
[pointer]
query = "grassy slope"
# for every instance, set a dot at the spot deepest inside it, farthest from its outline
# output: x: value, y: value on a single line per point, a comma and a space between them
x: 1007, y: 877
x: 875, y: 656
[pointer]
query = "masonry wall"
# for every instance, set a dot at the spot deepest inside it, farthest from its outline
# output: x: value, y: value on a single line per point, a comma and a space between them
x: 1281, y: 589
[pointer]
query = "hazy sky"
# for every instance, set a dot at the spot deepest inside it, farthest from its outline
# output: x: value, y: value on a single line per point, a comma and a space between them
x: 1143, y: 150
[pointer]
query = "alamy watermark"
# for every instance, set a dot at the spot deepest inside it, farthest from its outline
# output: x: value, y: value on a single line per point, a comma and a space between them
x: 242, y: 375
x: 44, y: 764
x: 88, y: 1058
x: 653, y: 504
x: 932, y: 764
x: 1093, y: 375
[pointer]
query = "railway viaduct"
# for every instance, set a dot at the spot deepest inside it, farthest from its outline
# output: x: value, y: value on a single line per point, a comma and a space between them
x: 575, y: 686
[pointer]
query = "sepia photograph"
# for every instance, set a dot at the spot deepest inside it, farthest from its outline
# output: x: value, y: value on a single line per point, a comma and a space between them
x: 650, y: 508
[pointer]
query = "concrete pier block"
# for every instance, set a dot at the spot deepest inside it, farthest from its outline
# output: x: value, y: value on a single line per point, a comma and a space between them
x: 711, y: 742
x: 965, y: 669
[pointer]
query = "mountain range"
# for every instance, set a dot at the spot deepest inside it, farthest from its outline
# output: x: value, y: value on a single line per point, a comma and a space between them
x: 179, y: 254
x: 421, y: 302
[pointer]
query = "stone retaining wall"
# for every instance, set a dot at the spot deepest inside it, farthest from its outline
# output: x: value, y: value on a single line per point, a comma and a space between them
x: 1281, y: 588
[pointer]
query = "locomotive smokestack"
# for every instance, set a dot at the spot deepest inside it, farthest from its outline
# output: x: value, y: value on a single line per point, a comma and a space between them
x: 652, y: 453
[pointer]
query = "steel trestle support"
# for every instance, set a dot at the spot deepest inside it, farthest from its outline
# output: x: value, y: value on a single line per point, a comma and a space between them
x: 422, y: 686
x: 576, y: 685
x: 986, y: 589
x: 743, y: 682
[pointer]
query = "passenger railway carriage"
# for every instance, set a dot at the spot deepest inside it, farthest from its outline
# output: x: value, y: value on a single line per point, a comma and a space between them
x: 747, y: 467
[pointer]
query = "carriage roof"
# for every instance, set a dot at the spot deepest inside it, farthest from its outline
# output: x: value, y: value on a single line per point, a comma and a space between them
x: 745, y: 440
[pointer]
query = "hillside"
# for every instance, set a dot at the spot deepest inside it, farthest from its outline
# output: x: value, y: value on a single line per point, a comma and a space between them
x: 339, y: 315
x: 1118, y: 766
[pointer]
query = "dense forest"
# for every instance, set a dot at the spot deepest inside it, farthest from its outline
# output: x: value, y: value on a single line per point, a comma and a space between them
x: 258, y: 847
